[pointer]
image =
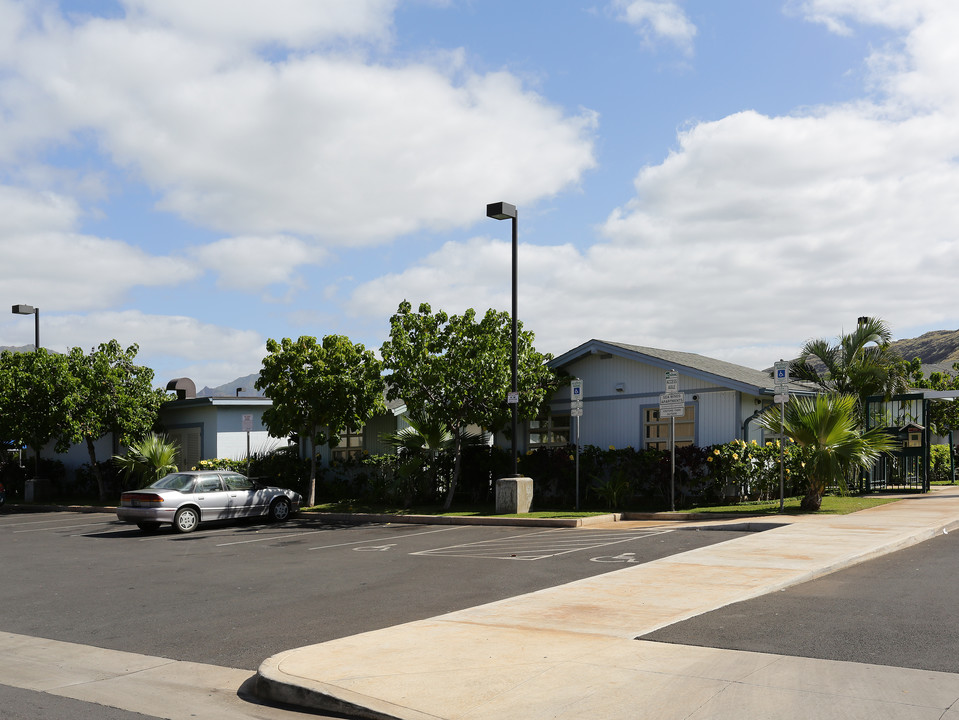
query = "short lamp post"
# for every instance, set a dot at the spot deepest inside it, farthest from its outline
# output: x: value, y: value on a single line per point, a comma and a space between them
x: 30, y: 310
x: 501, y: 211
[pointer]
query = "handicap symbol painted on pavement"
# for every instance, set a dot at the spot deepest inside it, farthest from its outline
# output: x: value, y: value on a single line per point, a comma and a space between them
x: 621, y: 558
x: 375, y: 548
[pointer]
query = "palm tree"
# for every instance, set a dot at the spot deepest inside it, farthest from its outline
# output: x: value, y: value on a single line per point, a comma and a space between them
x: 827, y: 428
x: 861, y: 364
x: 421, y: 444
x: 148, y: 460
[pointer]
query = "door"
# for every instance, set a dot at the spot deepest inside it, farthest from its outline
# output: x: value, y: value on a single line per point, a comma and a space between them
x: 212, y: 497
x: 242, y: 496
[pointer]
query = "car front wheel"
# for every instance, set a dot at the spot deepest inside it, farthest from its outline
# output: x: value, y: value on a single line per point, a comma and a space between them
x: 280, y: 510
x: 186, y: 519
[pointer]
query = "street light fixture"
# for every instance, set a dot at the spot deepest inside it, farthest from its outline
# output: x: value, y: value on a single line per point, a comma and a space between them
x: 30, y: 310
x: 502, y: 211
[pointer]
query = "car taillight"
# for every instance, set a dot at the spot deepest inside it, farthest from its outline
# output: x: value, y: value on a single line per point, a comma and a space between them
x: 141, y: 498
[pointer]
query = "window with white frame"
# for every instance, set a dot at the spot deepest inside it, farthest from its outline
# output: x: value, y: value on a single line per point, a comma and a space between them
x: 656, y: 429
x: 549, y: 431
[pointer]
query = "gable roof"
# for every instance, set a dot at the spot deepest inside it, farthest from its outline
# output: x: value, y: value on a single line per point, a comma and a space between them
x: 719, y: 372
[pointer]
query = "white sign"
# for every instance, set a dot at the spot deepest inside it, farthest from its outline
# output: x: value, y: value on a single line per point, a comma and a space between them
x: 576, y: 390
x: 672, y: 381
x: 781, y: 373
x: 512, y: 398
x: 781, y: 398
x: 247, y: 423
x: 672, y: 398
x: 672, y: 411
x: 576, y: 411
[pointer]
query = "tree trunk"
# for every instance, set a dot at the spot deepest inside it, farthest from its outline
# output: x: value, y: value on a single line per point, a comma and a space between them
x: 457, y: 457
x: 311, y: 492
x: 91, y: 451
x: 812, y: 501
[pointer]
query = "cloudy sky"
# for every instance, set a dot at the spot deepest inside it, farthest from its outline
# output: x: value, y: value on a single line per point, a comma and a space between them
x: 724, y: 178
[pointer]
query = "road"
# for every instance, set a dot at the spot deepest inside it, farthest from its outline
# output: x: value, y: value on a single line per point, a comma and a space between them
x: 234, y: 595
x: 898, y: 610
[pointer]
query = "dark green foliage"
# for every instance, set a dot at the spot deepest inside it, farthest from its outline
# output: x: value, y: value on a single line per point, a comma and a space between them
x: 456, y: 369
x: 319, y: 389
x: 35, y: 395
x: 111, y: 394
x: 554, y: 475
x: 482, y: 465
x: 87, y: 485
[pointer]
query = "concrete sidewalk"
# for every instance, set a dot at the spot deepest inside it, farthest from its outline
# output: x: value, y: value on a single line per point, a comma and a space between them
x: 571, y: 652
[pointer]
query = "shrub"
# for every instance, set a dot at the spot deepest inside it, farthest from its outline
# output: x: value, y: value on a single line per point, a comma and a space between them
x: 940, y: 464
x: 85, y: 481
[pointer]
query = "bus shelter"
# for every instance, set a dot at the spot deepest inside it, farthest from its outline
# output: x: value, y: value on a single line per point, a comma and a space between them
x: 906, y: 419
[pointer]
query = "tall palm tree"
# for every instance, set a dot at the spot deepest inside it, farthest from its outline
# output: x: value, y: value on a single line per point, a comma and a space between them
x: 827, y: 427
x: 861, y: 364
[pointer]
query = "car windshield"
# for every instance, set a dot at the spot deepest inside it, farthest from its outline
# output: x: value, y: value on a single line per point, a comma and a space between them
x: 173, y: 481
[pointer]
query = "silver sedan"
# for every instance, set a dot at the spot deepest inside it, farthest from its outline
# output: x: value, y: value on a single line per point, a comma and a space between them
x: 185, y: 499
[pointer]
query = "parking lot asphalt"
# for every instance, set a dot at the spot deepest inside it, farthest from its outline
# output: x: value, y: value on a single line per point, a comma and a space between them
x: 571, y: 651
x: 234, y: 594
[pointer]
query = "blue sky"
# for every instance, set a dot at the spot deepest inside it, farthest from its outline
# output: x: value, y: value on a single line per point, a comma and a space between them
x: 725, y: 178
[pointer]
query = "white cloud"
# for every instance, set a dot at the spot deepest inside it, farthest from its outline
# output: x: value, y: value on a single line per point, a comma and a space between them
x: 658, y: 19
x: 332, y: 147
x: 835, y: 14
x: 291, y: 23
x: 174, y: 346
x: 49, y: 265
x: 253, y: 263
x: 757, y: 232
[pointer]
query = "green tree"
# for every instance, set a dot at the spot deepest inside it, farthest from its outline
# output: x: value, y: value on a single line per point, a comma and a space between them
x: 333, y: 385
x: 457, y: 370
x: 36, y: 389
x: 148, y: 460
x: 826, y: 428
x: 861, y: 364
x: 112, y: 394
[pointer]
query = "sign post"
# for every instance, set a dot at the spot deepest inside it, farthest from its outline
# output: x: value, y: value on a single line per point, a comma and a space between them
x: 576, y: 411
x: 781, y: 373
x: 248, y: 428
x: 672, y: 404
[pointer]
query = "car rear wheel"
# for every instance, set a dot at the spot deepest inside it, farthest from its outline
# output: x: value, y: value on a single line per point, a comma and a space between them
x: 186, y: 519
x: 280, y: 510
x: 148, y: 526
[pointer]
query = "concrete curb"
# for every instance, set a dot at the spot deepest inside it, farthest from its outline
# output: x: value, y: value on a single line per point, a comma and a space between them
x: 359, y: 518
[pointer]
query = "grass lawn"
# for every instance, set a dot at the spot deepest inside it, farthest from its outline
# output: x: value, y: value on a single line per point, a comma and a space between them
x: 831, y: 505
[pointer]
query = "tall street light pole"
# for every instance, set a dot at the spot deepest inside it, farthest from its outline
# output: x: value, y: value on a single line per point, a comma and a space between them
x: 502, y: 211
x: 30, y: 310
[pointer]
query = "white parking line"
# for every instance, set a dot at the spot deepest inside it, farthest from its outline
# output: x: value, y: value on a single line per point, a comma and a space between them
x: 61, y: 527
x: 538, y: 546
x: 273, y: 537
x: 368, y: 541
x: 12, y: 522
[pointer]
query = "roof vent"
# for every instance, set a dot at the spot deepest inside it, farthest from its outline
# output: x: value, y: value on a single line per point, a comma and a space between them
x: 184, y: 388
